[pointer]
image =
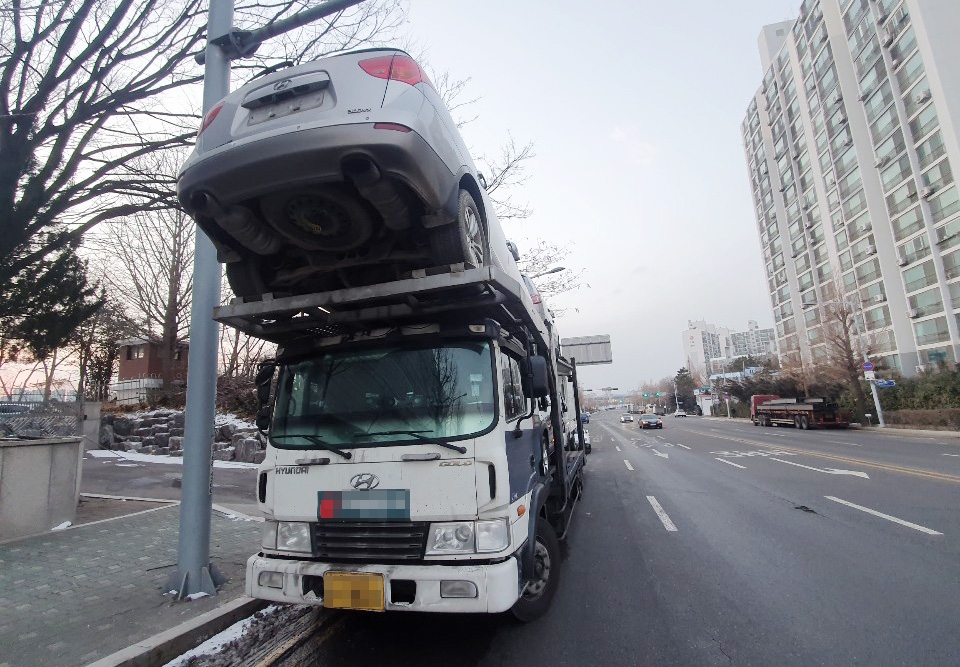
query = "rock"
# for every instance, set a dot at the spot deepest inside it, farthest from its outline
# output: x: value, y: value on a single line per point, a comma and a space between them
x: 226, y: 431
x: 258, y: 457
x: 149, y: 441
x: 177, y: 482
x: 133, y: 438
x: 174, y: 430
x: 106, y: 438
x: 165, y: 414
x: 178, y: 453
x: 177, y: 419
x: 107, y: 418
x: 122, y: 426
x: 143, y: 432
x: 162, y: 439
x: 175, y: 443
x: 163, y: 450
x: 128, y: 446
x: 217, y: 446
x: 148, y: 449
x: 225, y: 454
x: 246, y: 449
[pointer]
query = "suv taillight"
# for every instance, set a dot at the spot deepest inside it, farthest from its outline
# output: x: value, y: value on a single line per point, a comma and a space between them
x: 209, y: 117
x: 398, y: 68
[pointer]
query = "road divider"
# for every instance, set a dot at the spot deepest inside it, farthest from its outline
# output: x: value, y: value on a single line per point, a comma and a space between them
x: 664, y: 518
x: 902, y: 522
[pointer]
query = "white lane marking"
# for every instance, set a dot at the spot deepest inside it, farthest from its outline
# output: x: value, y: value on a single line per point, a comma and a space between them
x: 667, y: 444
x: 627, y: 463
x: 831, y: 471
x: 660, y: 437
x: 666, y: 456
x: 908, y: 524
x: 951, y: 454
x: 664, y: 519
x: 618, y: 448
x: 841, y: 442
x: 684, y: 446
x: 731, y: 463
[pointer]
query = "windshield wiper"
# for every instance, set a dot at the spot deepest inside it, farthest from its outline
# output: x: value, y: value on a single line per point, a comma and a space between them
x: 315, y: 440
x: 415, y: 434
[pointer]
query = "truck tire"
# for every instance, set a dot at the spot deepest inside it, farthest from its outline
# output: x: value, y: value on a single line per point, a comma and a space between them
x: 804, y: 423
x: 796, y: 423
x: 463, y: 241
x: 539, y: 591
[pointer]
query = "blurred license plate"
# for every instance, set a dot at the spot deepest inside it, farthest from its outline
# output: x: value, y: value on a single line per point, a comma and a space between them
x: 349, y: 590
x: 389, y: 504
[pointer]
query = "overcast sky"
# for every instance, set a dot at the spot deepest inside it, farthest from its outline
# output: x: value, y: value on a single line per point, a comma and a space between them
x: 635, y: 108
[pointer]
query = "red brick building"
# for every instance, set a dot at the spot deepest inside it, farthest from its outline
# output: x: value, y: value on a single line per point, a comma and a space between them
x: 142, y: 358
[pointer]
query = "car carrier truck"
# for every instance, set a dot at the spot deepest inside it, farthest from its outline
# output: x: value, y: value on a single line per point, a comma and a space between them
x: 423, y: 451
x: 802, y: 413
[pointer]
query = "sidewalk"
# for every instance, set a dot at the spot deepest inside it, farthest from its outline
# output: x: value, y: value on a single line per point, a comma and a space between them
x: 70, y: 597
x: 888, y: 430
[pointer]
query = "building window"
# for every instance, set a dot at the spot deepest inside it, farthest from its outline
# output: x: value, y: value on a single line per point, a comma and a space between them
x: 927, y: 303
x: 931, y: 150
x: 915, y: 249
x: 895, y: 174
x: 918, y: 277
x: 907, y: 224
x: 951, y: 265
x: 902, y: 199
x: 924, y: 123
x: 944, y: 205
x: 931, y: 331
x: 877, y: 318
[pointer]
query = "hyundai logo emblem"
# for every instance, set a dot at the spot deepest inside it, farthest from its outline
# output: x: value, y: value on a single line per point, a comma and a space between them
x: 365, y: 481
x: 282, y: 85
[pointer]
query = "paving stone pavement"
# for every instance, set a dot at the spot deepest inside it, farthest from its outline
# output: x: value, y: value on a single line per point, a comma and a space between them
x: 71, y: 597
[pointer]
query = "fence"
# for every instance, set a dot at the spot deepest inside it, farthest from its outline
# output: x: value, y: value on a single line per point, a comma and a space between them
x: 27, y: 419
x: 132, y: 392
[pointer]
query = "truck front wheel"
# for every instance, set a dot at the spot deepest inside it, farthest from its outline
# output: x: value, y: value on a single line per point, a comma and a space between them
x: 543, y: 581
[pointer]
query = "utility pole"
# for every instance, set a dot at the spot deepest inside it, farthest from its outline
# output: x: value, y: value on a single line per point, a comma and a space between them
x: 195, y: 573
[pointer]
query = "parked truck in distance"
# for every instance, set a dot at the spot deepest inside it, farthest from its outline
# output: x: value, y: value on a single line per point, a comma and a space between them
x: 801, y: 413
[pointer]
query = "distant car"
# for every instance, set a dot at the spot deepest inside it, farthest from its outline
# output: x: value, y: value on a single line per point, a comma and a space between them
x: 339, y: 172
x: 651, y: 421
x: 626, y: 419
x: 584, y: 417
x: 680, y: 413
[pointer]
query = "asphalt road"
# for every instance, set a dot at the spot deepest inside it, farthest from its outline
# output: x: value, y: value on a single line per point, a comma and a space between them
x: 721, y: 543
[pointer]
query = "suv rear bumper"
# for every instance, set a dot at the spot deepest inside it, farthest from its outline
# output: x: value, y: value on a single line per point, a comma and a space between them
x: 497, y: 584
x: 240, y: 171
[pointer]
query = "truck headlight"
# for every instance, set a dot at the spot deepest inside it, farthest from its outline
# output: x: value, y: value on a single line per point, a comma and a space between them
x: 456, y: 537
x: 492, y: 535
x: 293, y: 536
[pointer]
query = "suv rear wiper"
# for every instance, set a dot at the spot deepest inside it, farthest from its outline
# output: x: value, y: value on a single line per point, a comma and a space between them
x: 315, y: 440
x: 415, y: 434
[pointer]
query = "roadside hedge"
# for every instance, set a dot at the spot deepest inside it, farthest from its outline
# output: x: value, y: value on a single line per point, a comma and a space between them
x: 946, y: 419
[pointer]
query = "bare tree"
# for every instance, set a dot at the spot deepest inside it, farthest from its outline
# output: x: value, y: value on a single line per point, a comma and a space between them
x: 542, y: 257
x: 844, y: 360
x: 508, y: 171
x: 89, y: 87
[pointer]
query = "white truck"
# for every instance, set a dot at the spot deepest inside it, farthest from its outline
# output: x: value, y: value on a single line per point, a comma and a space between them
x: 423, y: 448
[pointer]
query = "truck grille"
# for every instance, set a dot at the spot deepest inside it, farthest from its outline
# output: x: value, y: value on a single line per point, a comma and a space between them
x: 369, y: 541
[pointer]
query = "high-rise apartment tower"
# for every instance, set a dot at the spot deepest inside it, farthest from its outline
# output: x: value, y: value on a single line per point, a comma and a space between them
x: 851, y: 143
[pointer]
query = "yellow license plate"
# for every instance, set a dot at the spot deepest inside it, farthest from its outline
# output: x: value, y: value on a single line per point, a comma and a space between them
x: 350, y: 590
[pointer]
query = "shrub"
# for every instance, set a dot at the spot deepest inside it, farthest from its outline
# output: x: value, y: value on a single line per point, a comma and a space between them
x: 947, y: 419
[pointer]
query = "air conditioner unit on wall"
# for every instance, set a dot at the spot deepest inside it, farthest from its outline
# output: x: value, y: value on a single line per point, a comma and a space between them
x: 927, y: 192
x: 913, y: 314
x: 902, y: 261
x: 882, y: 162
x: 895, y: 63
x: 880, y: 298
x: 871, y: 250
x: 922, y: 97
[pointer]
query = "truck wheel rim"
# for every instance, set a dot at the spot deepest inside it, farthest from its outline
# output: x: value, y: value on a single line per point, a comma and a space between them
x: 541, y: 569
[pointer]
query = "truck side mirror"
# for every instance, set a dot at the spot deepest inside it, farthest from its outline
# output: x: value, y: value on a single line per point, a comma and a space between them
x: 536, y: 377
x: 263, y: 418
x: 263, y: 380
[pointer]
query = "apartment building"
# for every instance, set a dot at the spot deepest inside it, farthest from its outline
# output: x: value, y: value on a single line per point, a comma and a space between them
x: 709, y: 349
x: 850, y: 143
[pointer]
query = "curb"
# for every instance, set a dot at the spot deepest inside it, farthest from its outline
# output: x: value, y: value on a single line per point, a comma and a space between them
x: 169, y: 644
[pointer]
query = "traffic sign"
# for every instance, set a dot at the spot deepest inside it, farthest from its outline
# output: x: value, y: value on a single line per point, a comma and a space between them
x: 869, y: 375
x: 885, y: 384
x: 868, y: 365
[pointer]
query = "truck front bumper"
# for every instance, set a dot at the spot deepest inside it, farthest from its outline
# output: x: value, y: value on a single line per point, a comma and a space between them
x: 497, y: 584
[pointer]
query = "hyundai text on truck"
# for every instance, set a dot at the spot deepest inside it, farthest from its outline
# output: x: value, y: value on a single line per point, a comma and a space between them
x: 423, y: 448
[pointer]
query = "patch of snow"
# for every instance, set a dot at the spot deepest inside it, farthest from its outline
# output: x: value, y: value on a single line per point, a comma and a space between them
x: 62, y: 526
x: 178, y: 461
x: 128, y: 465
x: 227, y: 418
x: 102, y: 454
x: 217, y: 642
x: 197, y: 596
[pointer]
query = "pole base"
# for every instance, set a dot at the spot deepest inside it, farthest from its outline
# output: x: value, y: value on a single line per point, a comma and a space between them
x: 207, y: 581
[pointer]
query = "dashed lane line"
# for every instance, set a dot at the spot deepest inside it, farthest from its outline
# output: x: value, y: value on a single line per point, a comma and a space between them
x: 627, y: 463
x: 908, y: 524
x: 684, y: 446
x: 664, y: 519
x: 618, y: 448
x: 841, y: 442
x: 731, y: 463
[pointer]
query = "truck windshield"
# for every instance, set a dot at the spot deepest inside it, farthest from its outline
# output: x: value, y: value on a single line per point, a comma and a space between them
x: 387, y: 395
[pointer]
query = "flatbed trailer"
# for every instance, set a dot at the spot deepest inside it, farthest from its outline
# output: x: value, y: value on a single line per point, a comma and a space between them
x: 801, y: 413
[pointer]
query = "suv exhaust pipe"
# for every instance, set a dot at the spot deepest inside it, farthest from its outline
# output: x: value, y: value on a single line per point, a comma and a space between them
x: 383, y: 194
